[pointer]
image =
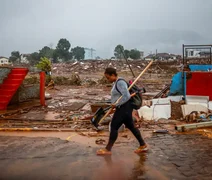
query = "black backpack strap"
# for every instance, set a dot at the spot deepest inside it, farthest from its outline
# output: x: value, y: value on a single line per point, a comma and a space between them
x: 117, y: 87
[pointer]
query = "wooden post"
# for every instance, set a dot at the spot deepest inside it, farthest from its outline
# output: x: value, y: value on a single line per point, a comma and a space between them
x: 193, y: 126
x: 42, y: 88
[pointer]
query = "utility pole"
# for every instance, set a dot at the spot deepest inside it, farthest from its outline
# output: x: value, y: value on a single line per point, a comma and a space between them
x: 91, y: 50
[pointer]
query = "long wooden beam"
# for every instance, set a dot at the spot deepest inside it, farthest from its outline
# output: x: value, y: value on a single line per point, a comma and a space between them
x: 193, y: 126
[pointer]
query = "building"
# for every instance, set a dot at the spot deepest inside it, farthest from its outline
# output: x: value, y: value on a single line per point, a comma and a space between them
x: 4, y: 60
x: 150, y: 57
x: 191, y: 53
x: 162, y: 56
x: 24, y: 58
x: 142, y: 54
x: 205, y: 54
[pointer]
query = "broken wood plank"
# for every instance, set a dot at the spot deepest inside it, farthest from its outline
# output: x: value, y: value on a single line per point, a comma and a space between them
x: 193, y: 126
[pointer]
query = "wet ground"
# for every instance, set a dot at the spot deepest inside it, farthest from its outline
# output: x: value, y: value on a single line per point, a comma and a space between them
x: 72, y: 156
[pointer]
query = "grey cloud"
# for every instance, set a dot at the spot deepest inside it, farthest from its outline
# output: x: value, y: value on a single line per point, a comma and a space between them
x: 27, y: 25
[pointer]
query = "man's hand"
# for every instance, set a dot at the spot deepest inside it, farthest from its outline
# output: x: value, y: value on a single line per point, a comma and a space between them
x: 113, y: 106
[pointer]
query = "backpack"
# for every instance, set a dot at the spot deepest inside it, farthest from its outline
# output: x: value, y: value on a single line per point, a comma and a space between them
x: 136, y: 100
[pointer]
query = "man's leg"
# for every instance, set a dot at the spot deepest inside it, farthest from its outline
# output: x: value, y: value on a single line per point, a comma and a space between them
x: 116, y: 123
x: 128, y: 121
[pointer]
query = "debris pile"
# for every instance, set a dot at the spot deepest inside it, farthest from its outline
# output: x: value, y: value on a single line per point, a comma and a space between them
x: 121, y: 66
x: 198, y: 116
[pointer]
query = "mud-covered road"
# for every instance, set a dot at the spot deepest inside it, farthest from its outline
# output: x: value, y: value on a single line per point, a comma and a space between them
x: 169, y: 157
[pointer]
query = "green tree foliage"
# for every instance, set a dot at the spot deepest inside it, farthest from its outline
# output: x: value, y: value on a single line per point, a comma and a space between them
x: 126, y: 53
x: 46, y: 52
x: 44, y: 64
x: 62, y: 50
x: 63, y: 45
x: 118, y: 52
x: 78, y: 53
x: 15, y: 57
x: 34, y: 58
x: 135, y: 54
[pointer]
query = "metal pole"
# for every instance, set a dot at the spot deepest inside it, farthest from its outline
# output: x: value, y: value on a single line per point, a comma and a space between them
x: 128, y: 64
x: 130, y: 68
x: 210, y: 56
x: 183, y: 55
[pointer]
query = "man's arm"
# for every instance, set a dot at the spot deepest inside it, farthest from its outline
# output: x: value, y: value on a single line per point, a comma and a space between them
x: 123, y: 89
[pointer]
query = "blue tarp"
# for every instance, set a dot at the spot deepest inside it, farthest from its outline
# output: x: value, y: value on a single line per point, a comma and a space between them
x: 177, y: 85
x: 195, y: 67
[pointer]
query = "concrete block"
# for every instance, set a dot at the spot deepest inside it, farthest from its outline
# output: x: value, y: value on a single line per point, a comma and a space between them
x: 26, y: 92
x: 210, y: 105
x: 161, y: 111
x: 146, y: 112
x: 164, y: 101
x: 155, y: 112
x: 188, y: 108
x: 201, y: 100
x: 175, y: 98
x: 4, y: 71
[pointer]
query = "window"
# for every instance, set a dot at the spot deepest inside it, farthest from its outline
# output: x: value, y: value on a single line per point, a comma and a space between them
x: 192, y: 53
x: 2, y: 61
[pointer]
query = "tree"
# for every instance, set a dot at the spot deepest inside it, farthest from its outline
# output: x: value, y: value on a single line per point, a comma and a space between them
x: 63, y: 45
x: 46, y: 52
x: 15, y: 57
x: 34, y: 58
x: 55, y: 56
x: 118, y: 52
x: 78, y: 53
x: 135, y: 54
x: 126, y: 53
x: 62, y: 50
x: 44, y: 64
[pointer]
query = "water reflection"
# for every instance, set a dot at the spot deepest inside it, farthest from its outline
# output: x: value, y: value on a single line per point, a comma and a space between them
x: 139, y: 169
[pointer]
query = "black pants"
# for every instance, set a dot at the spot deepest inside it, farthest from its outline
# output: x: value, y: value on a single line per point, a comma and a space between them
x: 123, y: 115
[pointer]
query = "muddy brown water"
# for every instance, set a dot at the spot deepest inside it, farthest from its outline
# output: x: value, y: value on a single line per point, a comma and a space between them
x: 64, y: 155
x: 28, y: 155
x: 53, y: 158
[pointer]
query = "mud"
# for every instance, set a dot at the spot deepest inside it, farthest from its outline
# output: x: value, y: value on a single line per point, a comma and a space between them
x: 169, y: 157
x: 176, y: 111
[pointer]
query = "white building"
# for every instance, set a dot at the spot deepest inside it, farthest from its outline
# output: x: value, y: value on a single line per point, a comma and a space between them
x: 4, y: 60
x: 142, y: 54
x: 191, y: 53
x: 24, y: 58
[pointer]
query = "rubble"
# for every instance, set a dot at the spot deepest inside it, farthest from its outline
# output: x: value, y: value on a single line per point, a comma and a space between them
x: 103, y: 80
x: 81, y: 89
x: 100, y: 141
x: 198, y: 116
x: 161, y: 131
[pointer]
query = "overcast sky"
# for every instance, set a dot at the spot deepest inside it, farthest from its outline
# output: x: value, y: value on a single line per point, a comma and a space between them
x: 28, y: 25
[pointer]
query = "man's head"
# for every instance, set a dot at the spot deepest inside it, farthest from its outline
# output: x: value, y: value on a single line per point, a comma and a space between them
x: 110, y: 74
